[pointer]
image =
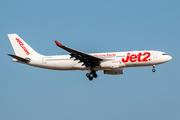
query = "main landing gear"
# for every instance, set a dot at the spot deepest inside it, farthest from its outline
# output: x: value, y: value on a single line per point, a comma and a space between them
x: 92, y: 75
x: 153, y: 70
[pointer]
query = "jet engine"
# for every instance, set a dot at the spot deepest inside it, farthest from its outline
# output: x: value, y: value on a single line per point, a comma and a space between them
x: 114, y: 72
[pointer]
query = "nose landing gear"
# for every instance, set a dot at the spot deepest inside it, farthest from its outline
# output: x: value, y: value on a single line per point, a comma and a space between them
x: 154, y: 70
x: 91, y: 75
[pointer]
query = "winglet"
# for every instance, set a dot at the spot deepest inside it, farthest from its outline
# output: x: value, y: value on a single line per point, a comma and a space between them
x: 58, y: 44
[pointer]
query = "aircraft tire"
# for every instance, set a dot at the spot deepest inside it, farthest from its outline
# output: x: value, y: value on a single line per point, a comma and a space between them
x: 90, y: 78
x: 95, y: 75
x: 87, y: 74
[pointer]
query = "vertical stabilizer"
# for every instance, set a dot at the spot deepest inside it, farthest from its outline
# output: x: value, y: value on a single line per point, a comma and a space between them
x: 21, y: 48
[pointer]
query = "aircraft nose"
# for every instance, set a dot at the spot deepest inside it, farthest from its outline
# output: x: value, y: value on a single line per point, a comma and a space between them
x: 169, y: 57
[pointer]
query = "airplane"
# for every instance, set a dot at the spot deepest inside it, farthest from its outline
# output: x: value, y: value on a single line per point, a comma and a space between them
x: 112, y: 63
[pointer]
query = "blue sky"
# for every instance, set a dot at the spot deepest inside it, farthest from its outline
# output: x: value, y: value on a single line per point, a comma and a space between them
x: 28, y: 93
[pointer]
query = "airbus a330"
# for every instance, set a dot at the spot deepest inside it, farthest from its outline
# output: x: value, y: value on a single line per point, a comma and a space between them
x: 112, y: 63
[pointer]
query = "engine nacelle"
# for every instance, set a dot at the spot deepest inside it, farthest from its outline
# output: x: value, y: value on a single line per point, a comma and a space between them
x: 110, y: 64
x: 114, y: 72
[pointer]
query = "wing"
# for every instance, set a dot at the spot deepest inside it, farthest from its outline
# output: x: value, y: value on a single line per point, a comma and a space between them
x: 87, y: 59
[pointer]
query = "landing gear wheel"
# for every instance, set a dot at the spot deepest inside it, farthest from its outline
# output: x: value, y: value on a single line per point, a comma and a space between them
x: 154, y: 68
x: 90, y: 78
x: 91, y: 75
x: 87, y: 75
x: 95, y: 75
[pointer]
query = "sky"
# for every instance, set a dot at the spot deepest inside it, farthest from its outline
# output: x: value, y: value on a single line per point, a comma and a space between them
x: 91, y: 26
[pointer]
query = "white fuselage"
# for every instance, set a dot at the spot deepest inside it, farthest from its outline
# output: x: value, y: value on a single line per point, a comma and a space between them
x: 116, y: 60
x: 112, y: 63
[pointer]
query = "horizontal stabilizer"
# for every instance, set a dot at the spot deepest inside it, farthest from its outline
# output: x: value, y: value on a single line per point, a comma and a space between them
x: 25, y: 60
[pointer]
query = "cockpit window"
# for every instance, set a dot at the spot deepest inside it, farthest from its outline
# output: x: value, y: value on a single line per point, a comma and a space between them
x: 164, y: 54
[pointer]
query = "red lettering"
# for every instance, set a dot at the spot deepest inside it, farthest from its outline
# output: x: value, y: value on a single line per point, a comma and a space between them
x: 139, y: 57
x: 127, y: 58
x: 115, y: 61
x: 147, y: 54
x: 22, y: 46
x: 104, y: 55
x: 133, y: 58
